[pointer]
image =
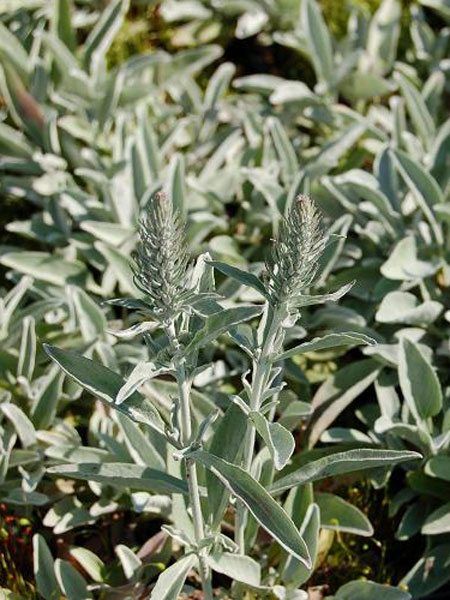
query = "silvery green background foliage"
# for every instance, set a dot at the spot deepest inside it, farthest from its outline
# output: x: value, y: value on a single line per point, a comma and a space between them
x: 85, y: 145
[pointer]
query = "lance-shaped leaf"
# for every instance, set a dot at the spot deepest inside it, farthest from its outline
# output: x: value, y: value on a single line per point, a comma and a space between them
x: 333, y: 340
x: 219, y: 323
x: 141, y: 373
x: 123, y: 475
x: 131, y: 564
x: 22, y: 424
x: 46, y: 267
x: 12, y: 51
x: 342, y: 462
x: 424, y: 188
x: 102, y: 35
x: 338, y: 392
x: 418, y: 381
x: 227, y: 443
x: 62, y: 24
x: 339, y: 515
x: 71, y: 582
x: 262, y: 506
x: 305, y: 300
x: 105, y: 385
x: 236, y: 566
x: 90, y: 563
x: 417, y: 108
x: 438, y: 522
x: 318, y: 41
x: 46, y: 583
x: 278, y: 439
x: 295, y: 573
x: 170, y: 582
x: 243, y: 277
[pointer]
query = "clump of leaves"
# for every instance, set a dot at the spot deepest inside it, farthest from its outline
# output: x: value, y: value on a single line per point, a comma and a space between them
x: 189, y: 330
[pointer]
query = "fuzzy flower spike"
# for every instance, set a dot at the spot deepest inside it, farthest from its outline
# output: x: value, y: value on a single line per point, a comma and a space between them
x: 294, y: 258
x: 161, y: 258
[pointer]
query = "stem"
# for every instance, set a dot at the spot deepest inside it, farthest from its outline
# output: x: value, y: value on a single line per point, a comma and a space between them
x: 261, y: 371
x: 184, y: 389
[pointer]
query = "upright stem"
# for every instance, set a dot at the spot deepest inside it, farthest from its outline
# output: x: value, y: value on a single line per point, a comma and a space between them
x: 261, y: 372
x: 184, y: 389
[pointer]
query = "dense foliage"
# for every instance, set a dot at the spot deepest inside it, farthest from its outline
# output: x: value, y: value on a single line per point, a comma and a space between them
x: 225, y: 313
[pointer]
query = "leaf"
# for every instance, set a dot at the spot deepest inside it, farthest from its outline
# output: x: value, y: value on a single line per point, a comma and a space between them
x: 250, y: 23
x: 170, y: 582
x: 78, y: 454
x: 403, y: 307
x: 219, y: 323
x: 338, y: 392
x: 305, y: 300
x: 237, y: 567
x: 147, y: 143
x: 423, y: 580
x: 70, y: 581
x: 21, y: 422
x: 14, y: 143
x: 46, y: 267
x: 189, y: 62
x: 62, y: 24
x: 403, y: 264
x: 176, y: 183
x: 260, y: 83
x: 218, y: 84
x: 139, y: 444
x: 44, y: 573
x: 339, y: 463
x: 417, y: 108
x: 332, y: 340
x: 438, y: 522
x: 27, y: 351
x: 90, y: 562
x: 123, y: 475
x: 262, y: 506
x: 318, y: 42
x: 278, y: 439
x: 295, y: 92
x: 243, y: 277
x: 382, y: 38
x: 120, y: 267
x: 339, y: 515
x: 364, y: 86
x: 12, y: 51
x: 105, y: 384
x: 110, y: 233
x: 418, y: 381
x: 368, y: 590
x: 91, y: 319
x: 131, y: 564
x: 142, y: 372
x: 46, y: 400
x: 411, y: 522
x: 284, y: 148
x: 101, y: 36
x: 439, y: 466
x: 423, y: 187
x: 227, y: 444
x: 295, y: 573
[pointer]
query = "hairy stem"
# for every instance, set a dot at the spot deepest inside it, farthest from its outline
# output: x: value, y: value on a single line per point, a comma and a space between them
x: 262, y: 366
x: 184, y: 389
